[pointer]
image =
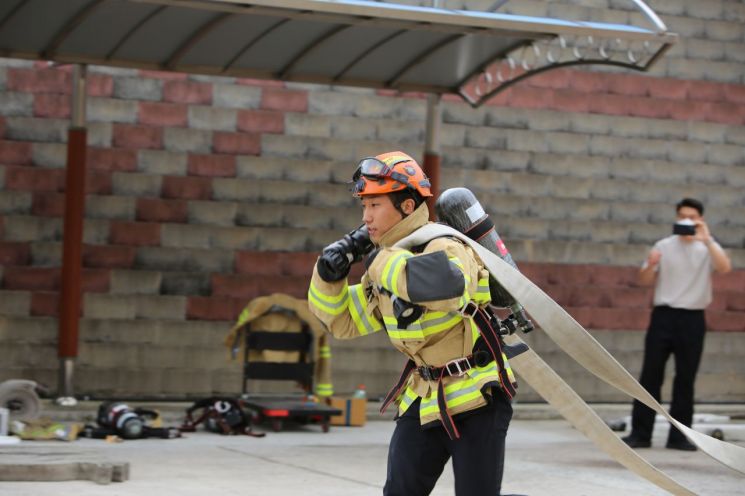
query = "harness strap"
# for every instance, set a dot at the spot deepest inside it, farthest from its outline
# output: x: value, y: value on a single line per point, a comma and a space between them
x: 400, y: 384
x: 491, y: 338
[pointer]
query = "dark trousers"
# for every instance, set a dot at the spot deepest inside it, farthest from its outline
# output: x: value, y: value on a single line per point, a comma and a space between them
x: 680, y: 333
x: 417, y: 456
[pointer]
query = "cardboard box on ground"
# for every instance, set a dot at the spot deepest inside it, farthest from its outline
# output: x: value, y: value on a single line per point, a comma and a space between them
x: 354, y: 411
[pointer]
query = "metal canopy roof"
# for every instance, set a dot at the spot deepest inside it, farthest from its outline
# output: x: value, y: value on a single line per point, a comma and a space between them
x: 359, y: 43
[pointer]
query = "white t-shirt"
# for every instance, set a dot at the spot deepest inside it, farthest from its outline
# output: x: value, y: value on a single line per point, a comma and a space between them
x: 683, y: 274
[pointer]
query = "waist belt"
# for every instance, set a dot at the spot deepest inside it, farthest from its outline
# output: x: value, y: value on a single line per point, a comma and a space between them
x: 454, y: 368
x: 488, y: 326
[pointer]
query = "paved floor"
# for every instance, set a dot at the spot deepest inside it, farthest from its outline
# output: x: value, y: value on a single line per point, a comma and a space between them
x: 545, y: 457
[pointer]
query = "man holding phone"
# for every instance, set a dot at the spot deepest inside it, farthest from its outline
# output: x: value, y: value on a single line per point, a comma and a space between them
x: 680, y: 265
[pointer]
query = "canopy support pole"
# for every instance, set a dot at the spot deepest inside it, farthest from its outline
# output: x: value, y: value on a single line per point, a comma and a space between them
x: 72, y: 247
x: 431, y: 164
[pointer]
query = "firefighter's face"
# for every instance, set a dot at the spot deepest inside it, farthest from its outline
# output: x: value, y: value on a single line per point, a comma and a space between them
x: 379, y: 215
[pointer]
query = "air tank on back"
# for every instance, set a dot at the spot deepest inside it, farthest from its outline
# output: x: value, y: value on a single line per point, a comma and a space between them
x: 460, y: 209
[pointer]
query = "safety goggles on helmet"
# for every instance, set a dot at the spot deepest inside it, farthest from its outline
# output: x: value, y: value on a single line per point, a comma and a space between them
x: 387, y: 178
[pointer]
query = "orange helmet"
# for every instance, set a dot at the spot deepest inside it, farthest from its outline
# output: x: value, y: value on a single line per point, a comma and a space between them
x: 388, y: 173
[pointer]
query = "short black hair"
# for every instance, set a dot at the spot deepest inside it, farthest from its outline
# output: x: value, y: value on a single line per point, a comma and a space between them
x: 690, y: 202
x: 398, y: 197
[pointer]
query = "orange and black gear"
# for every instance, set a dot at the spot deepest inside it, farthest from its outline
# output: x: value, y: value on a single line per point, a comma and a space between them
x: 388, y: 173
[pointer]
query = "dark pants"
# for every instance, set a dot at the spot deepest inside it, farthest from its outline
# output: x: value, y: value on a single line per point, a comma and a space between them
x: 417, y: 456
x: 680, y: 332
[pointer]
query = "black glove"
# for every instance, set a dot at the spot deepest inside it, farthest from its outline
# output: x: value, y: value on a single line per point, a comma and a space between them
x: 338, y: 257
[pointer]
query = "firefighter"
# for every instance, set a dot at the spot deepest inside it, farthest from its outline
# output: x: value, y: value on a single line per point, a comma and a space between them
x: 454, y: 396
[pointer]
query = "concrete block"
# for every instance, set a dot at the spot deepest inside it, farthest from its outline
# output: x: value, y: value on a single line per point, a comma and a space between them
x: 735, y: 135
x: 628, y: 168
x: 725, y: 195
x: 589, y: 210
x: 667, y: 172
x: 547, y: 120
x: 411, y: 109
x: 14, y: 103
x: 266, y: 214
x: 733, y: 52
x: 15, y: 202
x: 110, y: 207
x: 30, y: 330
x: 460, y: 113
x: 334, y: 149
x: 686, y: 151
x: 186, y: 283
x: 707, y: 132
x: 528, y: 184
x: 308, y: 125
x: 400, y: 131
x: 33, y: 129
x: 46, y: 254
x: 332, y: 195
x: 236, y: 96
x: 236, y: 238
x: 373, y: 106
x: 703, y: 49
x: 353, y: 128
x: 723, y: 30
x: 136, y: 184
x: 510, y: 117
x: 465, y: 159
x: 728, y: 155
x: 736, y: 176
x: 187, y: 140
x: 241, y: 190
x: 212, y: 118
x: 332, y: 103
x: 95, y: 231
x: 160, y: 307
x: 270, y: 239
x: 15, y: 303
x: 183, y: 259
x: 590, y: 123
x: 186, y: 235
x: 248, y: 167
x: 160, y: 162
x: 487, y: 137
x: 569, y: 187
x: 135, y: 282
x: 31, y: 228
x: 587, y: 167
x: 567, y: 143
x: 551, y: 164
x: 53, y: 155
x: 108, y: 306
x: 528, y: 141
x: 506, y: 160
x: 283, y: 192
x: 212, y: 213
x: 273, y: 145
x: 111, y: 110
x: 100, y: 134
x: 305, y: 217
x: 135, y: 88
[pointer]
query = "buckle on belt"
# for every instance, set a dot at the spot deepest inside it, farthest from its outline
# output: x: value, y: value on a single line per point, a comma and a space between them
x: 469, y: 310
x: 426, y: 373
x: 457, y: 364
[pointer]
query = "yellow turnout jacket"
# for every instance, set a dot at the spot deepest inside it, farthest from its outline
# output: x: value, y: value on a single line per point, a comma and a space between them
x: 446, y: 269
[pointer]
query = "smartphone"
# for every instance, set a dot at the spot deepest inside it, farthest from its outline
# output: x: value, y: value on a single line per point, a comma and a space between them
x: 684, y: 229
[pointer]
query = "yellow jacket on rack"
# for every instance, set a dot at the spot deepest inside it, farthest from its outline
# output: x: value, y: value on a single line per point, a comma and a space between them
x: 440, y: 335
x: 283, y: 313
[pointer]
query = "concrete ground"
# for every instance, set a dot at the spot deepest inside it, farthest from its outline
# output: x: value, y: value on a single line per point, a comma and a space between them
x: 545, y: 456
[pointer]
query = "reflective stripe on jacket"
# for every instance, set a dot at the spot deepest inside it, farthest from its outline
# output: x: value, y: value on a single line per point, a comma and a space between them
x: 442, y: 279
